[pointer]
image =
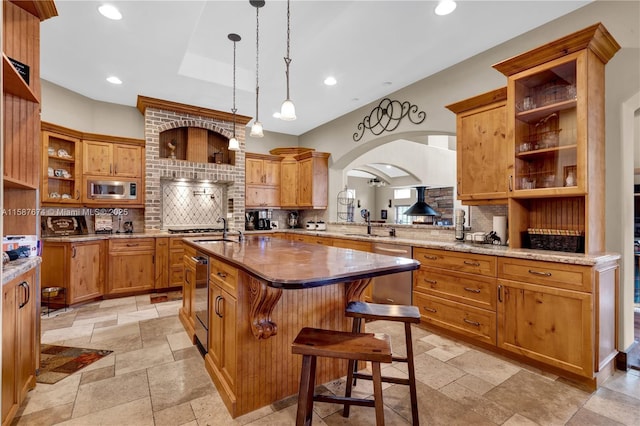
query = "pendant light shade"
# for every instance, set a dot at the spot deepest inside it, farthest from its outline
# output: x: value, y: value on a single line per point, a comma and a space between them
x: 288, y: 110
x: 234, y: 145
x: 256, y: 128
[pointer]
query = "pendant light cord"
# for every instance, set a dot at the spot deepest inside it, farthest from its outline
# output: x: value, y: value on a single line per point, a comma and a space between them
x: 287, y: 60
x: 233, y: 110
x: 257, y: 58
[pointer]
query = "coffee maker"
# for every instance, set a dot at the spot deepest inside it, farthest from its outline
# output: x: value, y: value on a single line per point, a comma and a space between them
x: 264, y: 222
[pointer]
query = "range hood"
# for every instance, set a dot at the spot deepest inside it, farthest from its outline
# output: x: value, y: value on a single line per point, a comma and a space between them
x: 421, y: 208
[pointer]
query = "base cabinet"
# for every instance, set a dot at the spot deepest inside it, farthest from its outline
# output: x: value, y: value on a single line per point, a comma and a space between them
x: 187, y: 314
x: 176, y: 264
x: 19, y: 342
x: 131, y: 265
x: 78, y: 267
x: 162, y: 263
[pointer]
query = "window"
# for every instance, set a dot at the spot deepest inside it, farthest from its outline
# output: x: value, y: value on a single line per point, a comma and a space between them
x: 401, y: 218
x: 402, y: 194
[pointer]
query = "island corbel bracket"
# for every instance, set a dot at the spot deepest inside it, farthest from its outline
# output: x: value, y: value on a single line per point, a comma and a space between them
x: 354, y: 289
x: 263, y: 299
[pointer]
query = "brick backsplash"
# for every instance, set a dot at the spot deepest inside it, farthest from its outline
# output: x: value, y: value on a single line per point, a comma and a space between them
x: 228, y: 178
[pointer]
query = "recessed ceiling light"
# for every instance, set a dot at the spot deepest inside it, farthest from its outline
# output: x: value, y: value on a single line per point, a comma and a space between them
x: 114, y: 80
x: 445, y: 7
x: 109, y: 11
x: 387, y: 83
x: 355, y: 99
x: 330, y: 81
x: 276, y: 114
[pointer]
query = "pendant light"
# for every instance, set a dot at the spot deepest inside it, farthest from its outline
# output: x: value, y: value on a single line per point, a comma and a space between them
x: 288, y: 110
x: 256, y: 128
x: 233, y: 142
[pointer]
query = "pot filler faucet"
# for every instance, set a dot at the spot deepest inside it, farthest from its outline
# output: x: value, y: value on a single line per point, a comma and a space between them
x: 366, y: 215
x: 224, y: 226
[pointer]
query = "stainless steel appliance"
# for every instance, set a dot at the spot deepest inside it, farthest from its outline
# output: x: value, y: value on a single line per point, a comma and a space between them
x: 112, y: 189
x: 201, y: 300
x: 393, y: 288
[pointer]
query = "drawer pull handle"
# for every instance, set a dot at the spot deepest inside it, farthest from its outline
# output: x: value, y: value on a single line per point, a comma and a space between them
x: 432, y: 282
x: 426, y: 256
x: 500, y: 293
x: 430, y: 309
x: 222, y: 275
x: 132, y: 244
x: 472, y: 290
x: 476, y: 323
x: 470, y: 263
x: 544, y: 274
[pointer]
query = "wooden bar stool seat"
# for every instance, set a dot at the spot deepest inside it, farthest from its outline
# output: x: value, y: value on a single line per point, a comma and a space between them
x: 313, y: 342
x: 400, y: 313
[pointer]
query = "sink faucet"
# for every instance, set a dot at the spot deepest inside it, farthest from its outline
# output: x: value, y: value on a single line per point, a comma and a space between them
x: 367, y: 217
x: 224, y: 226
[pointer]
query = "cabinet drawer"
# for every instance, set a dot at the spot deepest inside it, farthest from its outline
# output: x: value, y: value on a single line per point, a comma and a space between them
x: 474, y: 290
x: 175, y: 257
x: 462, y: 262
x: 571, y: 277
x: 176, y: 243
x: 133, y: 244
x: 226, y: 276
x: 467, y: 320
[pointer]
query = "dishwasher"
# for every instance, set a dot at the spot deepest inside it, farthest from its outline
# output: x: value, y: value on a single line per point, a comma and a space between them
x: 393, y: 288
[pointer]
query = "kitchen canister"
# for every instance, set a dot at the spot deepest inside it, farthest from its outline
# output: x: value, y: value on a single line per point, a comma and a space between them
x: 500, y: 228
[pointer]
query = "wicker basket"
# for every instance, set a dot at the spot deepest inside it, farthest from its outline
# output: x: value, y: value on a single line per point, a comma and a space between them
x: 556, y: 240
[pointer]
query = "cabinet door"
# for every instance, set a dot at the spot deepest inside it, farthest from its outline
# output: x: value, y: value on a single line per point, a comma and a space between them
x: 127, y: 161
x: 9, y: 357
x: 188, y: 288
x: 262, y: 196
x: 26, y: 329
x: 305, y: 182
x: 222, y: 333
x: 86, y: 271
x: 254, y: 171
x: 97, y: 158
x: 271, y: 170
x: 482, y: 153
x: 131, y: 271
x: 162, y: 263
x: 61, y: 169
x: 289, y: 183
x: 550, y: 325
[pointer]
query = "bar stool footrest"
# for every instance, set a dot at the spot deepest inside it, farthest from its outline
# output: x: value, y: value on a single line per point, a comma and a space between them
x: 342, y: 400
x: 394, y: 380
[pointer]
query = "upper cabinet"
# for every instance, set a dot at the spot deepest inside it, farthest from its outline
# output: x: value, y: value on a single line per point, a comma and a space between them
x: 482, y: 152
x: 304, y: 178
x: 112, y: 159
x: 556, y: 138
x: 61, y: 169
x: 262, y: 180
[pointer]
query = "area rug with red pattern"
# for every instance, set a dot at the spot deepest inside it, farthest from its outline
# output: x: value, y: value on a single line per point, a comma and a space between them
x: 58, y: 362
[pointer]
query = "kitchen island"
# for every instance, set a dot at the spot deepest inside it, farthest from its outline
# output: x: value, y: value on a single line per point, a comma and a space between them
x: 262, y: 291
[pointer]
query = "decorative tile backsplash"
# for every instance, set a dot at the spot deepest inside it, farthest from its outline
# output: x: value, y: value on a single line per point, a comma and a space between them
x: 191, y: 204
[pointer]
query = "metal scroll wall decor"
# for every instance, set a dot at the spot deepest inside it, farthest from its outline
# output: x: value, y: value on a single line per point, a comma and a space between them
x: 387, y: 117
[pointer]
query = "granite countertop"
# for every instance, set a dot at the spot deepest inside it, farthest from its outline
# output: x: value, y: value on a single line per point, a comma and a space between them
x: 451, y: 245
x: 292, y: 265
x: 18, y: 267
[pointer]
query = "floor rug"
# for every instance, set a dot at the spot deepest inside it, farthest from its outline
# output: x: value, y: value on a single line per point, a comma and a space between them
x: 58, y: 362
x: 165, y: 297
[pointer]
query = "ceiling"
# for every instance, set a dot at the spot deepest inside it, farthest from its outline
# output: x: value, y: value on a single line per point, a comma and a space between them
x: 179, y: 50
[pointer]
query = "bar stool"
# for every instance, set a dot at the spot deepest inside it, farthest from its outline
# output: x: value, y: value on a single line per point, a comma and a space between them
x: 314, y: 342
x: 400, y: 313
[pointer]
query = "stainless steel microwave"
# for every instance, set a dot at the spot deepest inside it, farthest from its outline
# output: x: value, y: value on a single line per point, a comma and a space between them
x: 112, y: 190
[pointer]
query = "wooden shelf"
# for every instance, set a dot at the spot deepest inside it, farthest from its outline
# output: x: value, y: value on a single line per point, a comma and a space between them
x: 545, y: 152
x: 65, y: 159
x: 14, y: 84
x: 9, y: 182
x: 533, y: 115
x: 70, y: 179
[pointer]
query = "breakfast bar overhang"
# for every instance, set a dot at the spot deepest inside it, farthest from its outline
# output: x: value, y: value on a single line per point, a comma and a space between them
x: 262, y: 292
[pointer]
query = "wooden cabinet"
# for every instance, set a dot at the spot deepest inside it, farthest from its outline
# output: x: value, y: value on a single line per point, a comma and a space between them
x: 61, y: 166
x: 223, y: 320
x: 187, y: 313
x: 176, y: 263
x: 457, y: 291
x: 112, y: 159
x: 311, y: 239
x: 481, y: 147
x: 262, y: 185
x: 556, y: 137
x: 304, y: 178
x: 18, y: 341
x: 131, y: 265
x: 162, y: 263
x: 367, y: 295
x: 79, y: 267
x: 561, y: 315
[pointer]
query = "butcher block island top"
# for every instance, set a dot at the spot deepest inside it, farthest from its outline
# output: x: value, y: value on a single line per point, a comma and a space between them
x: 262, y: 292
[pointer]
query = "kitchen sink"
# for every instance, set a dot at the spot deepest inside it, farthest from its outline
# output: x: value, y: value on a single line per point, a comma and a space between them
x: 363, y: 235
x: 215, y: 240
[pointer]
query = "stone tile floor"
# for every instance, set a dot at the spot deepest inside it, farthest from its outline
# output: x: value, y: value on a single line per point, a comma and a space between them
x: 156, y: 377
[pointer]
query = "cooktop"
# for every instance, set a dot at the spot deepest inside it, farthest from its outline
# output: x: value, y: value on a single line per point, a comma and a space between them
x: 193, y: 230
